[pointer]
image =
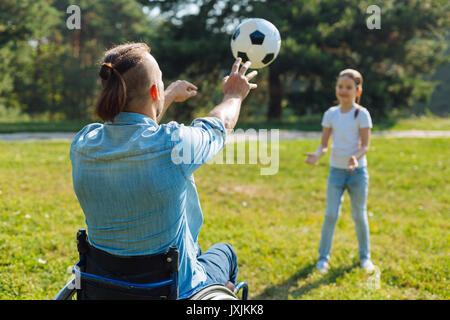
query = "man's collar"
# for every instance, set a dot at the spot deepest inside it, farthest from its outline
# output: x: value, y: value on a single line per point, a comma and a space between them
x: 133, y: 118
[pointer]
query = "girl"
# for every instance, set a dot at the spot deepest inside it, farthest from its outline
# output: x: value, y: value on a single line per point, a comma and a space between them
x: 350, y: 125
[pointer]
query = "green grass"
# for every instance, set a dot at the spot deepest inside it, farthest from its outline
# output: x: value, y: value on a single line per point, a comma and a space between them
x: 417, y: 123
x: 43, y: 126
x: 311, y: 123
x: 273, y: 222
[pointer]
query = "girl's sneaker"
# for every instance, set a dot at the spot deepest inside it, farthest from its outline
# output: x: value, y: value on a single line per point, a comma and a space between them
x: 322, y: 266
x: 367, y: 265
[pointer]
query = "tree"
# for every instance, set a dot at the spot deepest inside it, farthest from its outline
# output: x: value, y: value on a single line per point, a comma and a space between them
x: 47, y: 67
x: 20, y: 22
x: 59, y: 72
x: 103, y: 24
x: 321, y: 38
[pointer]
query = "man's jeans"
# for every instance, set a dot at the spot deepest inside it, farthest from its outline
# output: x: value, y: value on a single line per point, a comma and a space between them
x: 220, y: 263
x: 357, y: 184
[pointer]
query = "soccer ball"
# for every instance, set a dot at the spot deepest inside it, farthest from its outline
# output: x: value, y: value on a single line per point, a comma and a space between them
x: 256, y: 40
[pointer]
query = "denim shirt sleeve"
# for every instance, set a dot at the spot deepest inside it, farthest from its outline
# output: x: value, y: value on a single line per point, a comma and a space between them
x: 79, y: 139
x: 198, y: 143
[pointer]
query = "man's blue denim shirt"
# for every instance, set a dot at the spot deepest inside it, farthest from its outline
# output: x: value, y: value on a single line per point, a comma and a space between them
x: 134, y: 181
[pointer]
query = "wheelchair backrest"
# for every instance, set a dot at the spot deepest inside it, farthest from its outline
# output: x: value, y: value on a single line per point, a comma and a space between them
x: 106, y: 276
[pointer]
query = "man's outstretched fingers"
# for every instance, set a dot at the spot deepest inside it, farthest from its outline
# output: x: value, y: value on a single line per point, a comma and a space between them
x: 251, y: 75
x: 244, y: 68
x: 191, y: 86
x: 236, y: 64
x: 253, y: 85
x: 225, y: 79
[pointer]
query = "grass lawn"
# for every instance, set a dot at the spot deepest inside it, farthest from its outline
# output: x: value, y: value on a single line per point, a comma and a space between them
x: 43, y: 126
x: 303, y: 124
x: 273, y: 222
x: 393, y: 123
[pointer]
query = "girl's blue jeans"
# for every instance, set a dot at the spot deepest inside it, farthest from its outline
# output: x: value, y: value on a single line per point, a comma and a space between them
x: 357, y: 184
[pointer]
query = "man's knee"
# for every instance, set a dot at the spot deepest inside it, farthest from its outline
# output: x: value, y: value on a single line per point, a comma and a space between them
x: 228, y: 250
x: 223, y: 255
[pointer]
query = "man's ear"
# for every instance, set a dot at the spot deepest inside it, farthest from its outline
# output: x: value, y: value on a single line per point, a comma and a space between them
x: 359, y: 92
x: 154, y: 92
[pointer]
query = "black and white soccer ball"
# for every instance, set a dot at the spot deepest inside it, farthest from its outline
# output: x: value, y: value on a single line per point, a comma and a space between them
x: 256, y: 40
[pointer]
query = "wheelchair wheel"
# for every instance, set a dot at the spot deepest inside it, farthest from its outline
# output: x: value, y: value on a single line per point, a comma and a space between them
x: 68, y: 292
x: 214, y: 292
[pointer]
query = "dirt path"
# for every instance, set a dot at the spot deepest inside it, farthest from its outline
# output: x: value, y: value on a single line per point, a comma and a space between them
x: 240, y: 135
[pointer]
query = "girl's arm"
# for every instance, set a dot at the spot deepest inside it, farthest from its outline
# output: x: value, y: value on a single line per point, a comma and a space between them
x: 321, y: 149
x: 364, y: 134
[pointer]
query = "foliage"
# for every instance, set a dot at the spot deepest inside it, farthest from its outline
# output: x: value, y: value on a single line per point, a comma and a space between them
x: 321, y: 38
x: 20, y: 22
x: 60, y: 72
x: 46, y: 67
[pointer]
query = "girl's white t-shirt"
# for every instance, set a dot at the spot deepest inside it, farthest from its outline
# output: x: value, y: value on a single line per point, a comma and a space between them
x: 345, y: 131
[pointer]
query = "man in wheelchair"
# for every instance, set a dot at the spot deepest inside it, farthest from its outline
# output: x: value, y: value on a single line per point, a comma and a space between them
x: 133, y: 178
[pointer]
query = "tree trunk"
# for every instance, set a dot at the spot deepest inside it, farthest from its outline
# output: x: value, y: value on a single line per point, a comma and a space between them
x: 275, y: 96
x: 36, y: 95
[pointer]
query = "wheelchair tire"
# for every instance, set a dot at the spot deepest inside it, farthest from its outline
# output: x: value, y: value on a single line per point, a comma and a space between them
x: 214, y: 292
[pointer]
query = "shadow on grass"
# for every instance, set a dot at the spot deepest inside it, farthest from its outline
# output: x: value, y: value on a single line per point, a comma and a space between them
x: 290, y: 286
x: 385, y: 124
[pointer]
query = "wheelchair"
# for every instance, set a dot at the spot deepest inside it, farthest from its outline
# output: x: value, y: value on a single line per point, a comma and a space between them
x: 102, y: 276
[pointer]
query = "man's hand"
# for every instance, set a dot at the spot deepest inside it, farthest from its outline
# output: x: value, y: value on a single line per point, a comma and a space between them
x: 236, y: 84
x: 180, y: 91
x: 235, y: 88
x: 177, y: 91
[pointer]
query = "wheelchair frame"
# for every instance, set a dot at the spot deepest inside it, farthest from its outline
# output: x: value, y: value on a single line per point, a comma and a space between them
x: 210, y: 292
